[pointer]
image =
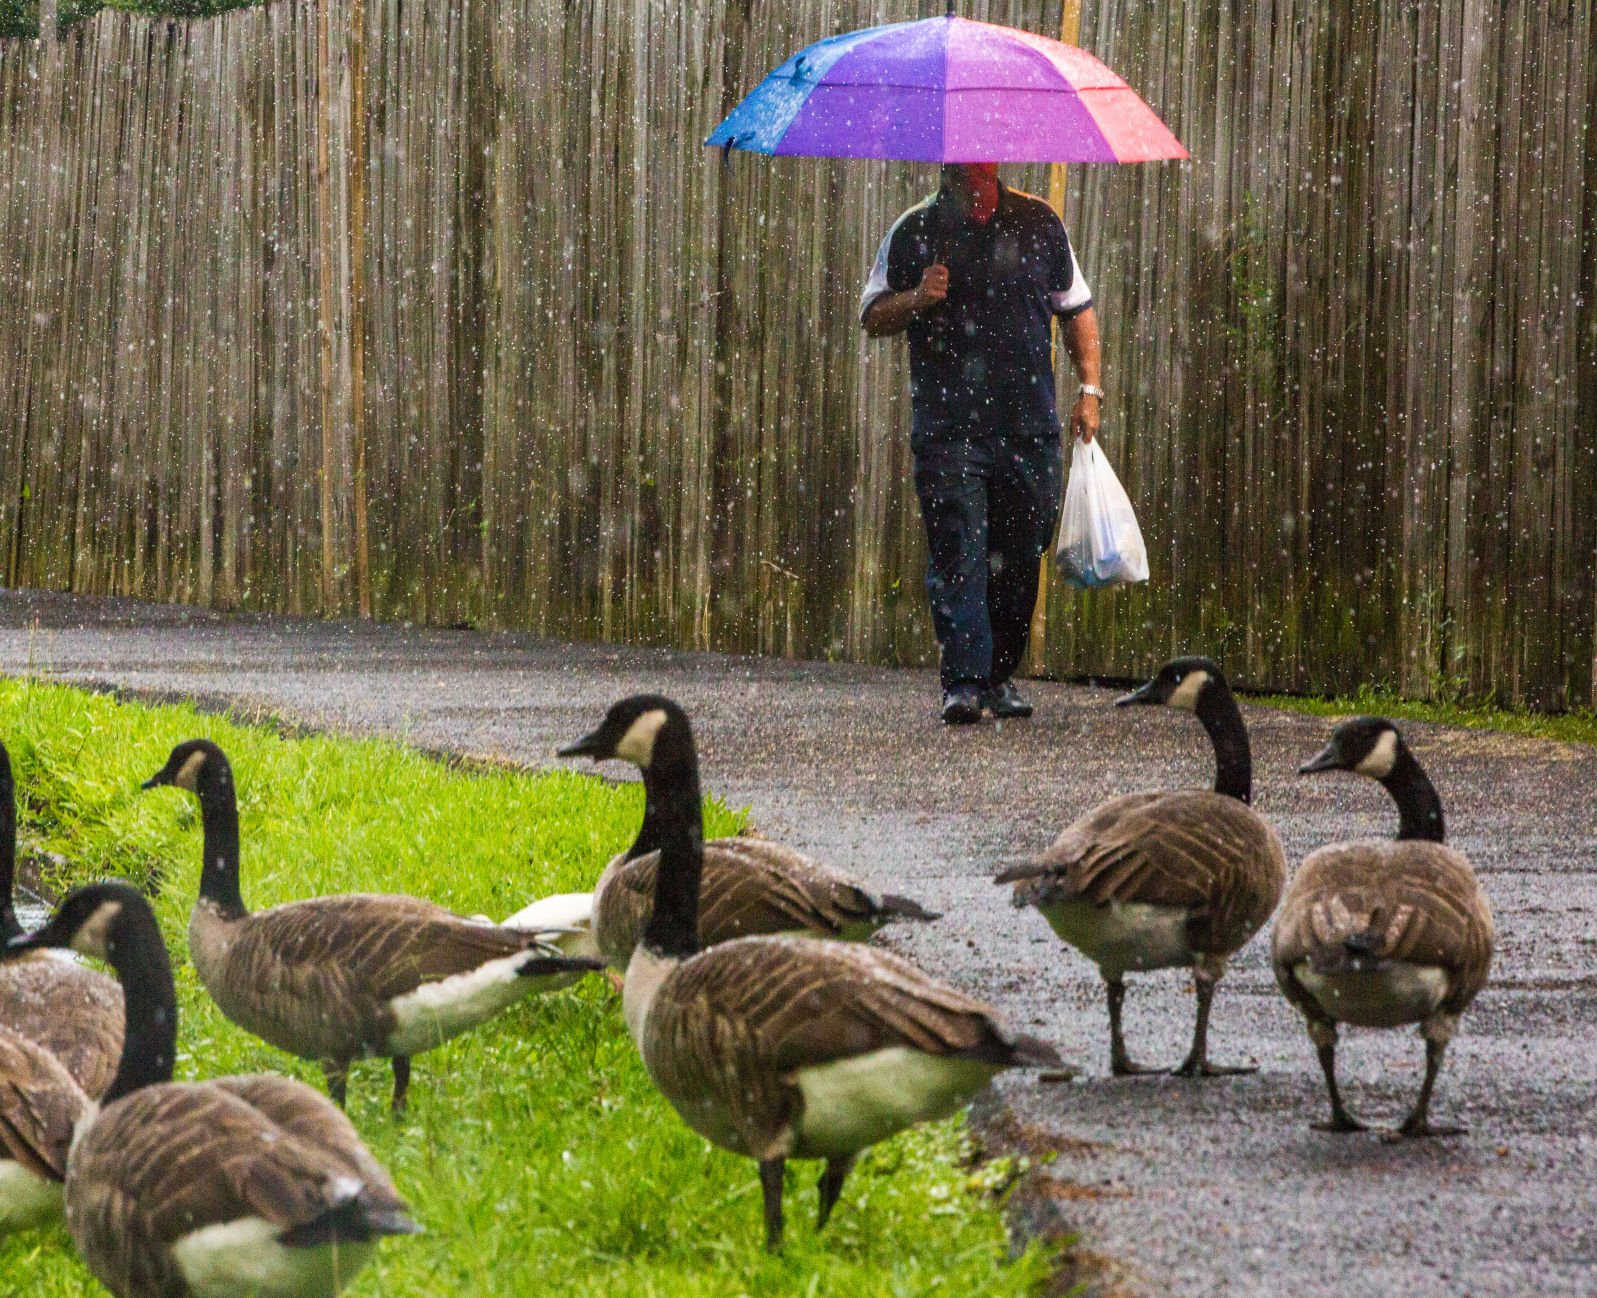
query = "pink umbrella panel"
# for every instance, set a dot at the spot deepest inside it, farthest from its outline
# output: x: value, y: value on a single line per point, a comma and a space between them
x: 947, y: 90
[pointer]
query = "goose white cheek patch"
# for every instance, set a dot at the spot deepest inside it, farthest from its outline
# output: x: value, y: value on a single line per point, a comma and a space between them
x: 188, y: 776
x: 1380, y: 760
x: 1185, y: 695
x: 637, y: 745
x: 92, y: 937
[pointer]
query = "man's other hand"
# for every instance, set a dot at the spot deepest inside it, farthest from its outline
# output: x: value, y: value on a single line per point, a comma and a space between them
x: 1084, y: 416
x: 933, y: 287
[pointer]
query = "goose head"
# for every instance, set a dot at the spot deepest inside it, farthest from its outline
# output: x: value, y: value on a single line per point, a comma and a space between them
x: 1180, y: 683
x: 94, y: 921
x: 197, y: 765
x: 648, y: 730
x: 1365, y: 745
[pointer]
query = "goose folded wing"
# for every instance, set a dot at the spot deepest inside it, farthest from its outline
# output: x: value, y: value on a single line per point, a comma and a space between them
x: 1408, y: 902
x: 1160, y: 849
x: 385, y: 949
x: 182, y: 1158
x: 39, y: 1103
x: 767, y: 887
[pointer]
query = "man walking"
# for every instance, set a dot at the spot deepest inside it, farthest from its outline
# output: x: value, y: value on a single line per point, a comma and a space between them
x: 974, y: 274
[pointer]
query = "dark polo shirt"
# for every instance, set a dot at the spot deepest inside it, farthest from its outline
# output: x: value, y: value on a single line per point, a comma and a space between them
x: 983, y: 359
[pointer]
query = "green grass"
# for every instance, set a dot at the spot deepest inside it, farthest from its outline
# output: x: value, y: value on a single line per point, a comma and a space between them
x: 1568, y: 727
x: 536, y: 1154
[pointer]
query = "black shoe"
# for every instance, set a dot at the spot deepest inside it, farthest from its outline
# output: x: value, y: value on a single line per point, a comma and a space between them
x: 1004, y: 702
x: 961, y: 706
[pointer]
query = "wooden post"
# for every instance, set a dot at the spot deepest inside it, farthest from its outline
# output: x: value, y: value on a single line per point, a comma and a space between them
x: 357, y: 292
x: 324, y: 248
x: 1069, y: 33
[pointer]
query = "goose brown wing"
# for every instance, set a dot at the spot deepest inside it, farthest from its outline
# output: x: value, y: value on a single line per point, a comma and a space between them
x: 39, y: 1104
x: 172, y: 1159
x: 73, y: 1012
x: 749, y: 888
x: 1192, y: 850
x: 384, y: 946
x: 1414, y: 902
x: 730, y: 1028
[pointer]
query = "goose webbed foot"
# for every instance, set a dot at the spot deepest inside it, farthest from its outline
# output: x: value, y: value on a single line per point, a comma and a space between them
x: 1197, y: 1064
x: 1124, y: 1067
x: 1412, y: 1130
x: 401, y: 1083
x: 1191, y: 1067
x: 1341, y: 1121
x: 837, y: 1170
x: 772, y: 1171
x: 1418, y: 1123
x: 337, y: 1074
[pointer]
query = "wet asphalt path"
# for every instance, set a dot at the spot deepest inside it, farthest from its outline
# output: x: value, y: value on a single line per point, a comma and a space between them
x: 1178, y: 1188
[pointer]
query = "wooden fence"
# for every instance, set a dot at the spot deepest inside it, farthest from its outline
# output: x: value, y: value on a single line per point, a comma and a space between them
x: 440, y: 311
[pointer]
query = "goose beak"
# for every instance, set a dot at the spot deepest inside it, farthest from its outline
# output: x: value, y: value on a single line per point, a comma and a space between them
x: 1142, y: 695
x: 22, y: 944
x: 588, y: 746
x: 155, y: 781
x: 1324, y: 760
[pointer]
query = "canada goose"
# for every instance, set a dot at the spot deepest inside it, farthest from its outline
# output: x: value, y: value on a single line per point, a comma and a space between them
x: 750, y: 887
x: 72, y: 1011
x: 337, y: 978
x: 242, y: 1185
x: 1383, y: 933
x: 40, y: 1102
x: 783, y: 1047
x: 1166, y: 880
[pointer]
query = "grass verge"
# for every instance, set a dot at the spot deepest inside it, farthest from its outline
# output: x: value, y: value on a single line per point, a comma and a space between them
x: 536, y: 1153
x: 1567, y: 727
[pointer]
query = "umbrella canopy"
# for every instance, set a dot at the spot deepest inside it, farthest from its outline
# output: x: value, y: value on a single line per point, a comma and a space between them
x: 947, y: 90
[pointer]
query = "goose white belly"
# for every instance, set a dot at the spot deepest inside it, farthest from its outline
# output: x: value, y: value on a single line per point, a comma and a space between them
x: 434, y: 1012
x: 1123, y: 937
x: 26, y: 1200
x: 852, y: 1103
x: 243, y: 1259
x: 1389, y: 997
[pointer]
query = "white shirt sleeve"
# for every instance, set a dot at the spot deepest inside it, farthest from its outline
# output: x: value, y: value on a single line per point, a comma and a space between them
x: 876, y: 282
x: 1078, y: 297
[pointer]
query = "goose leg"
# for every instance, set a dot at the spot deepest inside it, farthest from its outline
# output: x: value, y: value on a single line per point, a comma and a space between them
x: 1196, y: 1064
x: 337, y: 1074
x: 401, y: 1082
x: 1120, y: 1064
x: 771, y: 1173
x: 1418, y: 1122
x: 837, y: 1170
x: 1324, y: 1036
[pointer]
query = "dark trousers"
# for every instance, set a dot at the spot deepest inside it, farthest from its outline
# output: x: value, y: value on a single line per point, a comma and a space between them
x: 990, y: 503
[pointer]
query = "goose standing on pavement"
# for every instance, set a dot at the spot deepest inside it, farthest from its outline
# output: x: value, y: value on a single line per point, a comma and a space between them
x: 72, y: 1011
x: 750, y: 887
x: 1166, y: 880
x: 783, y: 1047
x: 1383, y: 933
x: 334, y: 979
x: 242, y: 1185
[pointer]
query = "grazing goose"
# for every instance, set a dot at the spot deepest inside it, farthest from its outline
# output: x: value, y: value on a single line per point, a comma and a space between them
x: 72, y: 1011
x: 242, y: 1185
x: 750, y: 887
x: 1383, y: 933
x: 783, y: 1047
x: 40, y: 1102
x: 1166, y: 880
x: 337, y: 978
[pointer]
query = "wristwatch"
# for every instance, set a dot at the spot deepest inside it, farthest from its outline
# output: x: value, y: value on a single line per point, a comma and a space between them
x: 1090, y: 390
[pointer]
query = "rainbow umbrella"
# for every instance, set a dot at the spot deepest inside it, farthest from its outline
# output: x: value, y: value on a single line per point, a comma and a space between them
x: 947, y: 90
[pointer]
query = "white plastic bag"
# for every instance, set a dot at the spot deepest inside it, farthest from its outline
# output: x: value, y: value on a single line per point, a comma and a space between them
x: 1099, y: 540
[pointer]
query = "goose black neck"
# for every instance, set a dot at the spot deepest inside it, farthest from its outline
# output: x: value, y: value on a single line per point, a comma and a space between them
x: 149, y: 1043
x: 650, y: 834
x: 1419, y: 806
x: 1233, y: 757
x: 9, y: 928
x: 673, y: 927
x: 219, y: 814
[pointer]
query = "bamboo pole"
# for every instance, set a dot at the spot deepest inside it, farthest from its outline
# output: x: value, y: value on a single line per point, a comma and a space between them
x: 324, y: 248
x: 1037, y: 646
x: 357, y: 294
